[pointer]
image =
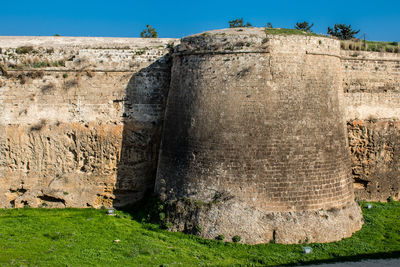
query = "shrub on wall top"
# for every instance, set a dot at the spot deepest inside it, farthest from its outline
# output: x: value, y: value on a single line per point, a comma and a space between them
x: 149, y: 32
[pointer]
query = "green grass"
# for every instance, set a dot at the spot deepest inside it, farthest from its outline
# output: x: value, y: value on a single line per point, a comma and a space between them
x: 283, y: 31
x: 85, y: 237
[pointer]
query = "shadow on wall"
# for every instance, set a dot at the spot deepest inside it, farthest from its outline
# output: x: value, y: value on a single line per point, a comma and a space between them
x: 144, y: 105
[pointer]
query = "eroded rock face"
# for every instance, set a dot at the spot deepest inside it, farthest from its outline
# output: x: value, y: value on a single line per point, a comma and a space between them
x: 76, y: 165
x: 59, y: 165
x: 375, y: 158
x: 262, y: 123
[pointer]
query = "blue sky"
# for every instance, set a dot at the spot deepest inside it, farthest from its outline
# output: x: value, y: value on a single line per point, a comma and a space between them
x: 379, y: 20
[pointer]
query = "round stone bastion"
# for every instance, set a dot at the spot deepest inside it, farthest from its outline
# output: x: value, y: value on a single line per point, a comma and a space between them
x: 254, y: 141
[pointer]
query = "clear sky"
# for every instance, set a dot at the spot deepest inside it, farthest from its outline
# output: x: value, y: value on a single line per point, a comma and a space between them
x: 379, y: 20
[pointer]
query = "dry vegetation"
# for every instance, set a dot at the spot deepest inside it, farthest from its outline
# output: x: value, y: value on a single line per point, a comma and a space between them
x: 359, y: 45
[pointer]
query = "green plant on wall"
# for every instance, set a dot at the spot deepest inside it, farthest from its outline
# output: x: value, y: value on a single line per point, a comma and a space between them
x: 24, y: 50
x: 342, y: 31
x: 237, y: 23
x: 149, y: 32
x: 236, y: 239
x: 304, y: 26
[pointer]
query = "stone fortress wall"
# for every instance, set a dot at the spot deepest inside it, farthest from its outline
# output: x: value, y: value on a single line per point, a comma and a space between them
x: 371, y: 83
x: 81, y: 119
x: 254, y: 140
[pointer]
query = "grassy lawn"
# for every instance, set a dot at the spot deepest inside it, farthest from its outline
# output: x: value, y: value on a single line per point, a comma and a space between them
x: 85, y: 237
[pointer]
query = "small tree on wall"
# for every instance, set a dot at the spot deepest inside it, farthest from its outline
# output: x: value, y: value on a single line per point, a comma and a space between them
x: 237, y: 23
x: 304, y: 26
x: 342, y: 31
x: 149, y: 32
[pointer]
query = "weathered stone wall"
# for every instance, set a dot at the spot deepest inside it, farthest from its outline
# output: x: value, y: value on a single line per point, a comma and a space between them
x: 80, y: 119
x: 371, y: 83
x: 255, y: 137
